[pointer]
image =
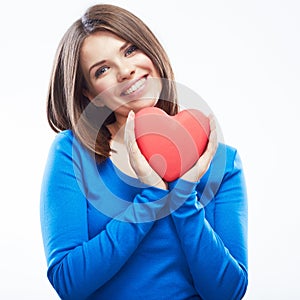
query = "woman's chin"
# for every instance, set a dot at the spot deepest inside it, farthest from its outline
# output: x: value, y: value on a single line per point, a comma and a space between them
x: 136, y: 105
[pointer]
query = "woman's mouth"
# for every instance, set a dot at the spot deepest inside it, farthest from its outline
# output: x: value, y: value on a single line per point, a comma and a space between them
x: 137, y: 85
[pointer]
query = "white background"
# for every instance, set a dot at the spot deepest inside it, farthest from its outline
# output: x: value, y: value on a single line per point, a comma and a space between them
x: 242, y: 57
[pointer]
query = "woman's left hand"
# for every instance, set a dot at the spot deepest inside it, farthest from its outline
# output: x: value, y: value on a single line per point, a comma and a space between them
x: 137, y: 161
x: 203, y: 163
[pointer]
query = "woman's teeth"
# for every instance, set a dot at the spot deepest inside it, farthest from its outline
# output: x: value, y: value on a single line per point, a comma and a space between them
x: 135, y: 86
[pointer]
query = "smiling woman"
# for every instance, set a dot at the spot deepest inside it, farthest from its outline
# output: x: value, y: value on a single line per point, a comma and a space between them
x: 112, y: 227
x: 72, y: 87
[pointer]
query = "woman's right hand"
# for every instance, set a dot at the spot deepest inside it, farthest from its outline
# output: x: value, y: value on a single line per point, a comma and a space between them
x: 137, y: 161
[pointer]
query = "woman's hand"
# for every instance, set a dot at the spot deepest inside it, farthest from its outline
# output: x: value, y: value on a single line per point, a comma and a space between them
x: 203, y: 163
x: 137, y: 161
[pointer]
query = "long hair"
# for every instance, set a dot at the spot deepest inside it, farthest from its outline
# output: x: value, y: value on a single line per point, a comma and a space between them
x: 68, y: 108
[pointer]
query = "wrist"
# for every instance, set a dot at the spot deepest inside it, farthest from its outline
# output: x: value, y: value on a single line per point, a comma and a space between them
x: 183, y: 186
x: 162, y: 185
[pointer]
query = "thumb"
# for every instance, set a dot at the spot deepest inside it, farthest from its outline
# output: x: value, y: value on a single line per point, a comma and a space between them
x: 129, y: 135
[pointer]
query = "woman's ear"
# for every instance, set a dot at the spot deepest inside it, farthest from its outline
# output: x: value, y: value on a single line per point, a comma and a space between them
x: 96, y: 101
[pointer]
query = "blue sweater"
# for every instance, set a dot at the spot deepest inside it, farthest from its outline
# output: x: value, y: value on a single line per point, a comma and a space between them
x: 107, y: 236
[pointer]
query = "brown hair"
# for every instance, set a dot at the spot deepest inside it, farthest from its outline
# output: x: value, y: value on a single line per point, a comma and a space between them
x: 68, y: 108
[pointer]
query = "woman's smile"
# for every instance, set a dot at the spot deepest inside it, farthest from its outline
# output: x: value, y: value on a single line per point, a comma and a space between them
x: 138, y: 85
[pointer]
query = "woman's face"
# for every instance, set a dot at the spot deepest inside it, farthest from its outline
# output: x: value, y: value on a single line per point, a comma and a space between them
x: 118, y: 74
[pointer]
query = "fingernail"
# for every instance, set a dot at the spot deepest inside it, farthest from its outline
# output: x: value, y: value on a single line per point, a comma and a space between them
x: 131, y: 114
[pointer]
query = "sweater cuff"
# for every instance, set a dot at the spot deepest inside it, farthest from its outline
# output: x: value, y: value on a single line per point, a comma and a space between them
x: 182, y: 193
x: 148, y: 206
x: 151, y: 194
x: 182, y: 188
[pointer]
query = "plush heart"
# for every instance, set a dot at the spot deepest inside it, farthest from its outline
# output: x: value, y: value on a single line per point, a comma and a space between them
x: 171, y: 144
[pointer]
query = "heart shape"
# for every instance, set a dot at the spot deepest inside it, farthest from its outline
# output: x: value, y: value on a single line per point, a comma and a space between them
x: 171, y: 144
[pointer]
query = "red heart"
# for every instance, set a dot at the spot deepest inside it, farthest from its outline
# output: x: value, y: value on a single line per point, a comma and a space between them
x: 171, y: 144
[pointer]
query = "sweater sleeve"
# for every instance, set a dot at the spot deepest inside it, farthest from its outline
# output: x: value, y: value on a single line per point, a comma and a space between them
x: 77, y: 265
x: 217, y: 256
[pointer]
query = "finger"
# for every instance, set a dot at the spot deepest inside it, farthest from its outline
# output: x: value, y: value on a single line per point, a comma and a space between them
x: 206, y: 158
x: 130, y: 139
x: 129, y: 135
x: 213, y: 141
x: 136, y: 158
x: 211, y: 147
x: 212, y: 122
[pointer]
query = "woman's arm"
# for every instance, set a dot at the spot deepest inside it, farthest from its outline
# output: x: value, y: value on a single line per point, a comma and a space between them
x: 77, y: 265
x: 217, y: 256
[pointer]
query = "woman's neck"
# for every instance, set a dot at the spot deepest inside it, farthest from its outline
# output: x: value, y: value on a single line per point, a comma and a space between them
x: 117, y: 130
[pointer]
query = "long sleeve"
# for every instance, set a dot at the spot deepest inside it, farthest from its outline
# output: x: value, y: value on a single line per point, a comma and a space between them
x: 77, y: 265
x: 217, y: 255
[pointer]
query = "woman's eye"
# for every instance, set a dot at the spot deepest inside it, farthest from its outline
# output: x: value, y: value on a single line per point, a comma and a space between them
x: 130, y: 50
x: 100, y: 71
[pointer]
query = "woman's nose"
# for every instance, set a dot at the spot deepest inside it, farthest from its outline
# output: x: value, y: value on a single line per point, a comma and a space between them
x: 126, y: 71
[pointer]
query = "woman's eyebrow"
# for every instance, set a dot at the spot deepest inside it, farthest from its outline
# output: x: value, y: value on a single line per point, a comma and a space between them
x: 124, y: 46
x: 96, y: 64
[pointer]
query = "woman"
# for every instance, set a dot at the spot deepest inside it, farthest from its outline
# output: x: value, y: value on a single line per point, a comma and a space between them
x: 112, y: 227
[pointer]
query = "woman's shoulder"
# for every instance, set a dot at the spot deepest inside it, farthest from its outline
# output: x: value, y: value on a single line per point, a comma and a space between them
x: 229, y: 149
x: 66, y: 142
x: 65, y: 136
x: 66, y: 149
x: 61, y: 145
x: 226, y: 161
x: 226, y: 154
